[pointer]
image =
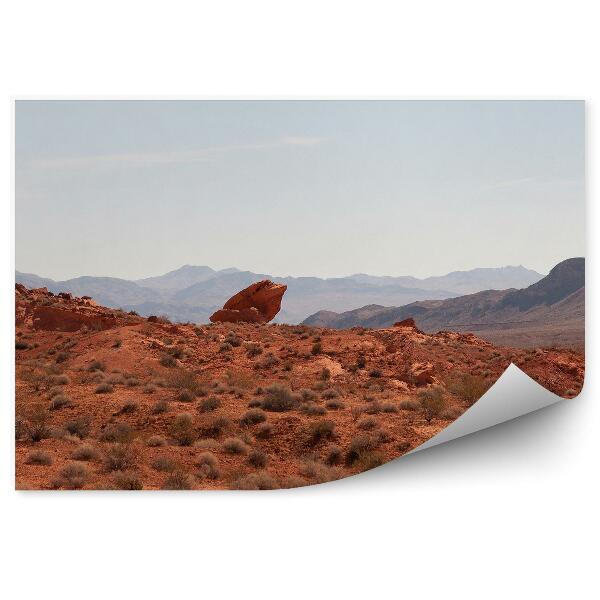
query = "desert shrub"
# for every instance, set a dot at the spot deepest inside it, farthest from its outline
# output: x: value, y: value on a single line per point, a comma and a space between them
x: 164, y: 463
x: 369, y: 460
x: 232, y: 339
x: 127, y: 480
x: 279, y: 398
x: 115, y: 379
x: 39, y: 457
x: 468, y: 387
x: 357, y: 447
x: 361, y: 361
x: 182, y: 429
x: 254, y: 403
x: 334, y: 404
x: 185, y: 396
x: 186, y: 380
x: 325, y: 374
x: 217, y: 425
x: 96, y: 365
x: 317, y: 348
x: 208, y: 465
x: 306, y: 394
x: 36, y: 423
x: 167, y: 360
x: 270, y: 360
x: 367, y: 423
x: 61, y: 357
x: 263, y: 431
x: 319, y: 472
x: 451, y: 413
x: 104, y: 388
x: 409, y: 404
x: 59, y: 380
x: 255, y: 481
x: 329, y: 394
x: 388, y: 407
x: 119, y: 457
x: 320, y: 431
x: 178, y: 480
x: 234, y: 446
x: 209, y: 404
x: 117, y: 432
x: 375, y: 373
x: 117, y: 343
x: 54, y: 391
x: 72, y: 476
x: 155, y: 441
x: 252, y: 349
x: 59, y: 401
x: 161, y: 406
x: 312, y: 409
x: 149, y: 388
x: 334, y: 456
x: 131, y: 382
x: 257, y: 458
x: 432, y: 402
x: 252, y: 417
x: 129, y: 407
x: 225, y: 347
x: 21, y: 346
x: 79, y: 426
x: 176, y: 352
x: 85, y: 452
x: 207, y: 444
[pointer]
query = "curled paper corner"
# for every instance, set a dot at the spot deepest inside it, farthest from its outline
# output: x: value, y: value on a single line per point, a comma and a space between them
x: 514, y: 394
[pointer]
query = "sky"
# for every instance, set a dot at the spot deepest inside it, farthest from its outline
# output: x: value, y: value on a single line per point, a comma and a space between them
x: 325, y: 188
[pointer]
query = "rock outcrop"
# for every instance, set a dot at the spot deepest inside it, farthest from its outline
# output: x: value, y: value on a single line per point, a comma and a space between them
x: 258, y: 303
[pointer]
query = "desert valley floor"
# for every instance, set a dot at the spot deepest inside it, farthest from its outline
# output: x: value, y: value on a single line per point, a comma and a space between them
x: 110, y: 400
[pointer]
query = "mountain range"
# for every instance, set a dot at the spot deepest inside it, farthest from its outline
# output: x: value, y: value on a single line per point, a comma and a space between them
x: 193, y: 293
x: 549, y: 311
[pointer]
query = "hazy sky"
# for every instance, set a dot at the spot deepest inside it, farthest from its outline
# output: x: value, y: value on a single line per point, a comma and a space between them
x: 136, y: 188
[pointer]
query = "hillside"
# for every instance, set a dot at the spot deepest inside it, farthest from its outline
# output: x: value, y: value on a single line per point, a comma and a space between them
x: 548, y: 312
x: 109, y: 400
x: 192, y: 293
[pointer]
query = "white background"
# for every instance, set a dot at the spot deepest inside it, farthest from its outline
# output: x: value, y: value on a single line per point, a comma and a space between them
x: 507, y: 513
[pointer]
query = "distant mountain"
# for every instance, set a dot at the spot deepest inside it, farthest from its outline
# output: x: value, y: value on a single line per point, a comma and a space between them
x: 551, y: 310
x: 193, y: 293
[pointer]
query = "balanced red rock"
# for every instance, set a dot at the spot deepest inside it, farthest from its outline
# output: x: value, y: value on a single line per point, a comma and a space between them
x: 258, y: 303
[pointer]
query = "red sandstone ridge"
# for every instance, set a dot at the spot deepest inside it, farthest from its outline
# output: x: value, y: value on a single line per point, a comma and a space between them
x: 258, y: 303
x: 410, y: 323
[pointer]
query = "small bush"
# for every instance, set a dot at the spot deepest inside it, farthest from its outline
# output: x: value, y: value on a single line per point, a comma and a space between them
x: 127, y: 480
x: 217, y: 426
x: 167, y: 360
x: 334, y: 404
x: 334, y: 456
x: 319, y: 472
x: 182, y: 429
x: 79, y: 426
x: 375, y: 373
x: 96, y: 365
x: 161, y: 406
x: 469, y: 387
x: 185, y: 396
x: 432, y: 402
x: 119, y: 457
x: 131, y: 382
x: 361, y: 362
x: 255, y: 481
x: 61, y: 357
x: 209, y: 404
x: 117, y: 432
x: 252, y: 417
x: 149, y: 388
x: 164, y: 463
x: 358, y: 446
x: 370, y: 460
x: 409, y: 404
x: 329, y: 394
x: 155, y: 441
x: 117, y: 343
x: 307, y: 395
x: 129, y: 407
x: 21, y: 346
x: 312, y: 409
x: 39, y: 457
x: 388, y: 407
x: 320, y: 431
x: 208, y: 465
x: 59, y: 401
x: 207, y: 444
x: 367, y: 423
x: 234, y: 446
x: 178, y: 480
x: 317, y: 348
x: 104, y: 388
x: 279, y: 398
x: 36, y: 424
x: 85, y: 452
x: 72, y: 476
x: 257, y: 458
x: 59, y: 380
x: 325, y: 374
x: 252, y: 349
x: 263, y: 431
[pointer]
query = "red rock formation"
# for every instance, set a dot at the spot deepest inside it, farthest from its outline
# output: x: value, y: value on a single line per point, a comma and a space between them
x: 258, y: 303
x: 410, y: 323
x: 52, y: 318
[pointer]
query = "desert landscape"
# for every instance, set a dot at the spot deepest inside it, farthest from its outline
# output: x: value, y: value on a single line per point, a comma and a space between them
x: 108, y: 399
